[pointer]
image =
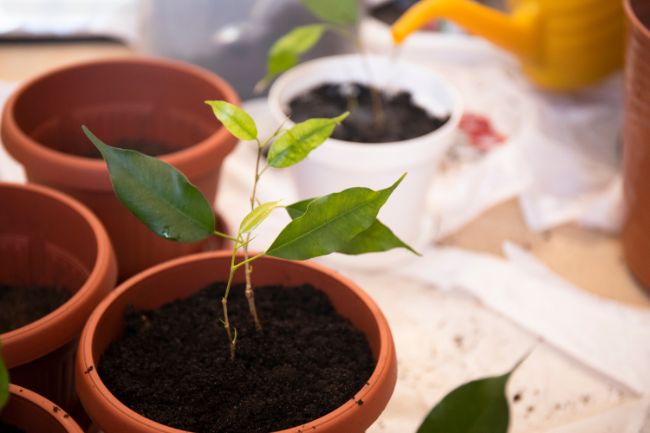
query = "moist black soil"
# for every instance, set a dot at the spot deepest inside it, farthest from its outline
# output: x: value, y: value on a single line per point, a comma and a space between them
x: 8, y: 428
x: 21, y: 305
x: 173, y: 364
x: 146, y: 146
x: 402, y: 118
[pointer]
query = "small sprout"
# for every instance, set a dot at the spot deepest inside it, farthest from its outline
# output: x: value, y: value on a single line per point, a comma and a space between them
x: 172, y: 207
x: 4, y: 384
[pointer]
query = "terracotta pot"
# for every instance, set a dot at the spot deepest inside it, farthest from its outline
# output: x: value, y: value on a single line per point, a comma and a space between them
x: 34, y: 413
x: 181, y: 278
x: 49, y: 239
x: 636, y: 141
x: 131, y: 98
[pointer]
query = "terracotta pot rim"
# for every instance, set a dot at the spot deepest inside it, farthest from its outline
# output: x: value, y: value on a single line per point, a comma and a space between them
x: 85, y: 356
x: 634, y: 19
x: 41, y: 403
x: 83, y: 299
x: 96, y: 167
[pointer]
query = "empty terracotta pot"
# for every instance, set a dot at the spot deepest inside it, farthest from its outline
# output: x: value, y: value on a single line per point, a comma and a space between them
x: 146, y: 103
x: 184, y: 276
x: 51, y: 240
x: 34, y: 413
x: 636, y: 141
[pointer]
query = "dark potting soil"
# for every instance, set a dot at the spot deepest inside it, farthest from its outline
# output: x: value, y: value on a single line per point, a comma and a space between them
x: 403, y: 119
x: 173, y: 364
x: 20, y: 306
x: 142, y: 145
x: 8, y: 428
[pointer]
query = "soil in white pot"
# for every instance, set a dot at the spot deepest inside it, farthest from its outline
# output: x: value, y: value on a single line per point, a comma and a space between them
x: 173, y: 364
x: 402, y: 119
x: 20, y: 306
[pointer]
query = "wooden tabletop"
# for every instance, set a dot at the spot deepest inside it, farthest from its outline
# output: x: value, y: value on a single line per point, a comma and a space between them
x: 591, y: 260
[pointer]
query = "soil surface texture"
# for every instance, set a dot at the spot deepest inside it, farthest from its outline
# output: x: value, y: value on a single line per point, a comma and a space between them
x: 8, y: 428
x: 173, y: 364
x: 389, y: 12
x: 20, y: 306
x: 402, y: 119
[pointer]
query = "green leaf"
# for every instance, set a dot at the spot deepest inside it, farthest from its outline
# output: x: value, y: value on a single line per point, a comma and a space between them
x: 377, y: 238
x: 296, y: 143
x: 256, y: 216
x: 476, y: 407
x: 158, y: 194
x: 330, y: 222
x: 286, y: 51
x: 342, y: 12
x: 4, y: 384
x: 238, y: 122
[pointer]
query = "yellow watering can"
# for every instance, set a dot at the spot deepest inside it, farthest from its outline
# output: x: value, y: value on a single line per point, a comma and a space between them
x: 562, y: 44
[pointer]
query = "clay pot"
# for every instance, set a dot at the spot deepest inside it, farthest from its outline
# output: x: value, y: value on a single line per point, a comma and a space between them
x: 34, y: 413
x: 49, y: 239
x: 134, y: 99
x: 636, y: 141
x: 184, y: 276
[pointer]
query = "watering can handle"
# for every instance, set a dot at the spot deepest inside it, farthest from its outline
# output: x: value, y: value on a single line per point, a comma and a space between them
x: 516, y: 32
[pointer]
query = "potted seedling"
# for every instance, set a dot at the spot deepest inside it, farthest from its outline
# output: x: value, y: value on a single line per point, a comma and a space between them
x: 140, y: 103
x: 23, y: 411
x: 56, y: 264
x: 403, y: 118
x: 276, y: 344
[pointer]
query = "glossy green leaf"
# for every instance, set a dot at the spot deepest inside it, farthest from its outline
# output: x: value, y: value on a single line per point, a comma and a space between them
x: 285, y: 52
x: 158, y: 194
x: 257, y: 216
x: 4, y: 384
x: 296, y: 143
x: 479, y: 406
x: 376, y: 238
x: 342, y: 12
x: 330, y: 222
x: 238, y: 122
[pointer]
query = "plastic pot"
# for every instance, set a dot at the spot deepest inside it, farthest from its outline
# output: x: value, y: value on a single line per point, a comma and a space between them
x: 48, y: 239
x: 337, y: 164
x: 36, y: 414
x: 134, y: 99
x: 184, y: 276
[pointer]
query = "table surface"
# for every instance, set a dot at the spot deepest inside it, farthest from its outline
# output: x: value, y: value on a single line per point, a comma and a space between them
x: 590, y: 259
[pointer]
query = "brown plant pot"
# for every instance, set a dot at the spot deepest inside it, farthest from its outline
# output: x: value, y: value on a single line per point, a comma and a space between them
x: 133, y: 98
x: 636, y: 142
x: 49, y: 239
x: 184, y: 276
x: 34, y: 413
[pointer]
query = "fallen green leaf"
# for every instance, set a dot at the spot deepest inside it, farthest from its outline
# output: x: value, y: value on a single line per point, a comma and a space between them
x: 330, y: 222
x: 158, y: 194
x: 296, y: 143
x: 238, y: 122
x: 479, y: 406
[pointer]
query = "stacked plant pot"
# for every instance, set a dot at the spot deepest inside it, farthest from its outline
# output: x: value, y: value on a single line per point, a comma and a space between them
x: 50, y: 240
x: 154, y: 105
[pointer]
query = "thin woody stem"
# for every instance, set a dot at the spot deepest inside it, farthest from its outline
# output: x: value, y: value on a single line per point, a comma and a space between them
x: 224, y: 303
x: 250, y: 294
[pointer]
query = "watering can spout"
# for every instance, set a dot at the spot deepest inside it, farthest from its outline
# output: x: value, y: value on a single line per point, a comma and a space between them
x: 515, y: 32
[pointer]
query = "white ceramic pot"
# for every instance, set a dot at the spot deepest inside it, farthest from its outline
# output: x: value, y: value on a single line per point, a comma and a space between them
x: 337, y: 164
